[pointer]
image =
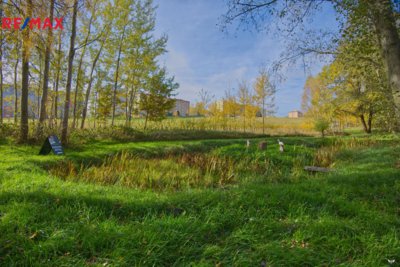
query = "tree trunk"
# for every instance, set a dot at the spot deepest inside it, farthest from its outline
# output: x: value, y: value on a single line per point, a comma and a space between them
x: 263, y: 115
x: 77, y: 90
x: 244, y: 118
x: 364, y: 124
x: 1, y: 82
x: 78, y: 78
x: 131, y: 103
x: 114, y: 102
x: 51, y: 118
x: 389, y: 41
x: 16, y: 91
x: 95, y: 110
x: 84, y: 111
x: 370, y: 115
x: 1, y: 68
x: 45, y: 89
x: 145, y: 122
x: 71, y: 55
x: 57, y: 79
x: 126, y: 107
x: 39, y: 84
x: 24, y: 127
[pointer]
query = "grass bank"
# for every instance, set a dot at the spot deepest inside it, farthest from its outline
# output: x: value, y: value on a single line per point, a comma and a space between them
x: 273, y: 212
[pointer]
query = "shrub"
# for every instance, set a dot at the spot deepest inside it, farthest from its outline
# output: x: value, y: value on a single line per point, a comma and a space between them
x: 8, y: 130
x: 321, y: 125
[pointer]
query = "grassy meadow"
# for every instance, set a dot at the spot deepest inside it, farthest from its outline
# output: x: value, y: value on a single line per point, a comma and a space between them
x: 139, y: 185
x: 273, y: 125
x: 209, y: 202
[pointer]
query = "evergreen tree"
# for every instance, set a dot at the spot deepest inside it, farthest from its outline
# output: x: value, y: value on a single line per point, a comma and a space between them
x: 156, y: 100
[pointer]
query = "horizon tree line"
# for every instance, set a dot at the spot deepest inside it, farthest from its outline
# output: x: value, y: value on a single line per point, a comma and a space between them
x: 362, y: 79
x: 245, y: 102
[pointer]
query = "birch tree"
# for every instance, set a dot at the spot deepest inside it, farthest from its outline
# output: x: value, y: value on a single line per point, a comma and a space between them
x: 291, y: 15
x: 264, y: 95
x: 244, y: 99
x: 26, y: 50
x: 64, y: 134
x: 46, y: 74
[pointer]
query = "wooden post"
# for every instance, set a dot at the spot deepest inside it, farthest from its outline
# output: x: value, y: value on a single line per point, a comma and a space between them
x: 262, y: 145
x: 317, y: 169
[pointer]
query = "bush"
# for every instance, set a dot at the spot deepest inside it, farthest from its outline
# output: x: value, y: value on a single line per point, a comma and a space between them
x: 321, y: 125
x: 8, y: 130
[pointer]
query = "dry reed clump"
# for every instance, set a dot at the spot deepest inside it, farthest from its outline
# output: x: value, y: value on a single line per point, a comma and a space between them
x: 169, y: 173
x: 325, y: 156
x: 210, y: 164
x: 355, y: 142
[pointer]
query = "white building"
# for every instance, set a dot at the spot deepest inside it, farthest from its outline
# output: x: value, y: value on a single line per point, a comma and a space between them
x: 295, y: 114
x: 220, y: 105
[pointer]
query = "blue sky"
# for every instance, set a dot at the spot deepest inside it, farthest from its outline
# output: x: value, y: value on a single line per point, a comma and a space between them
x: 200, y: 55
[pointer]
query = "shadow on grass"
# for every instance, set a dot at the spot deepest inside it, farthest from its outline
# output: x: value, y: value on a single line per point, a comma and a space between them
x: 183, y: 227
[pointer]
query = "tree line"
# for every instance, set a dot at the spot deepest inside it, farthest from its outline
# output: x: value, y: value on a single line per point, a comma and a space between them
x: 104, y: 63
x: 245, y: 101
x: 363, y: 79
x: 358, y: 83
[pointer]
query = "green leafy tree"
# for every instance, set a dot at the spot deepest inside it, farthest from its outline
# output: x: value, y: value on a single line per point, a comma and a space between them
x: 140, y: 58
x: 104, y: 109
x: 264, y: 95
x: 46, y: 72
x: 231, y: 106
x: 26, y: 51
x: 245, y: 100
x: 379, y: 15
x: 71, y: 55
x: 321, y: 125
x: 156, y: 100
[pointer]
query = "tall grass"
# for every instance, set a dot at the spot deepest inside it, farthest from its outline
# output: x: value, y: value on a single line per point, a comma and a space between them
x: 273, y: 126
x: 203, y: 165
x: 169, y: 173
x: 326, y: 155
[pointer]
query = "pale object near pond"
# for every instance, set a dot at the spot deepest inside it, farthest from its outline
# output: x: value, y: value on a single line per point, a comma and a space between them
x: 281, y: 146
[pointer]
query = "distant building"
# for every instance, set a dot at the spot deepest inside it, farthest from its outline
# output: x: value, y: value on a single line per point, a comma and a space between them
x: 181, y: 108
x: 295, y: 114
x: 220, y: 104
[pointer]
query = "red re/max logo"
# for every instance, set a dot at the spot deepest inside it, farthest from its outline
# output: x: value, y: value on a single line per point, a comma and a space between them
x: 20, y: 24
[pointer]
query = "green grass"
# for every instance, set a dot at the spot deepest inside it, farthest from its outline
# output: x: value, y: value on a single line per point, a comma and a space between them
x: 272, y: 213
